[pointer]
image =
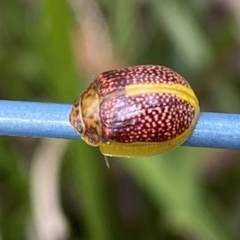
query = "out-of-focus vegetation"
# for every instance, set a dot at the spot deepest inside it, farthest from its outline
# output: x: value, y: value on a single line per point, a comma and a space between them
x: 51, y: 189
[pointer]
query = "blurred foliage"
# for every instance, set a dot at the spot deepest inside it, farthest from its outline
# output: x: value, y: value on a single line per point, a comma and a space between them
x: 187, y: 193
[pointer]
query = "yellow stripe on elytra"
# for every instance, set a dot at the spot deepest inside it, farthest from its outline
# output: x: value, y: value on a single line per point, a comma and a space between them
x: 179, y: 90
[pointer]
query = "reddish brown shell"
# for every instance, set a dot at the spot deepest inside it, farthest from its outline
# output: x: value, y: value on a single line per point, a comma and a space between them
x: 143, y: 117
x: 120, y: 78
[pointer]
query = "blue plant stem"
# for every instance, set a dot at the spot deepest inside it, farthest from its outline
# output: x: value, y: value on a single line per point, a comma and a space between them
x: 50, y: 120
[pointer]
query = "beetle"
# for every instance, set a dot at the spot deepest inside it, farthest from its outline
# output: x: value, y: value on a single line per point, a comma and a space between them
x: 136, y: 111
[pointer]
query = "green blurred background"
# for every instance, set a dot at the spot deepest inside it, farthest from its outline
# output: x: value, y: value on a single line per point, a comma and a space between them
x: 57, y: 189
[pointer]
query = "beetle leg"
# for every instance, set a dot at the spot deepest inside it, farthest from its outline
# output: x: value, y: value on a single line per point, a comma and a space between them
x: 107, y: 162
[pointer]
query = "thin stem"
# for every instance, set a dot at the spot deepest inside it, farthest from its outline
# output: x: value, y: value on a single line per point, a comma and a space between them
x: 50, y: 120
